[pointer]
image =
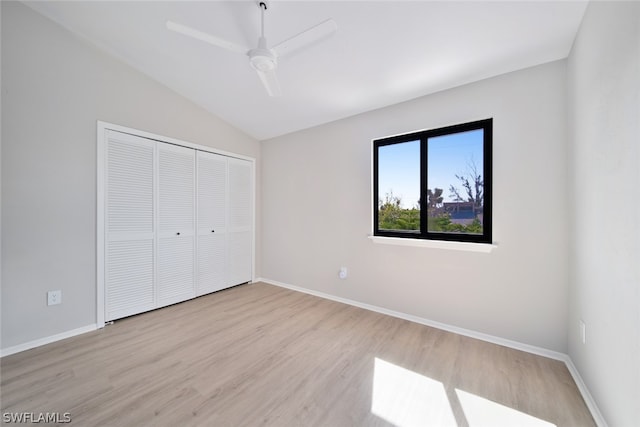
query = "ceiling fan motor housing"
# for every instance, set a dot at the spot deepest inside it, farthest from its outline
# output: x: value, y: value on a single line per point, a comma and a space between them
x: 262, y: 58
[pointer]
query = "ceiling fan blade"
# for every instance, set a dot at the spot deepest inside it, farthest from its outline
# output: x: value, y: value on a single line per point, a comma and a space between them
x: 307, y: 37
x: 270, y: 82
x: 207, y: 38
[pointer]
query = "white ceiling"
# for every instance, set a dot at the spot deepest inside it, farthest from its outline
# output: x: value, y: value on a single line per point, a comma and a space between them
x: 384, y: 52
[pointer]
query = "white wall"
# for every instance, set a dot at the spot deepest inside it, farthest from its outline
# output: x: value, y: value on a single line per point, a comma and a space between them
x: 54, y: 88
x: 604, y: 120
x: 317, y: 213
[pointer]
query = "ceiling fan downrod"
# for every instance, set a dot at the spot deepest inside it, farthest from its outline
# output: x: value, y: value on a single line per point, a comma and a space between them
x: 262, y: 58
x: 263, y: 7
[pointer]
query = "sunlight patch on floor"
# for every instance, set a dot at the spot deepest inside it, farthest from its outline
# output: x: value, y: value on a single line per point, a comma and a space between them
x: 481, y: 412
x: 405, y: 398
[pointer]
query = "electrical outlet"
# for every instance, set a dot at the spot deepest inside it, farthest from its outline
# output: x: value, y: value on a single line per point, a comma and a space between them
x: 343, y: 273
x: 583, y: 332
x: 54, y: 297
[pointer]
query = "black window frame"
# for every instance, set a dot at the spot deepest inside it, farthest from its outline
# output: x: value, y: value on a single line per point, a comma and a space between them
x: 423, y: 136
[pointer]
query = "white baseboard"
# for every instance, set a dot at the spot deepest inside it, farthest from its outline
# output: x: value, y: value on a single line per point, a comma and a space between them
x: 588, y: 399
x: 46, y: 340
x: 591, y: 404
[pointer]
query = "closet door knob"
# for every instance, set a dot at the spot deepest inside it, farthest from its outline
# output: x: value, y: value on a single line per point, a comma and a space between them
x: 178, y: 233
x: 213, y: 231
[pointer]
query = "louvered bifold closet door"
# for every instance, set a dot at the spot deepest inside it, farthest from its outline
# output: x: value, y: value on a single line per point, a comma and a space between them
x: 176, y: 224
x: 129, y: 225
x: 240, y: 221
x: 212, y: 223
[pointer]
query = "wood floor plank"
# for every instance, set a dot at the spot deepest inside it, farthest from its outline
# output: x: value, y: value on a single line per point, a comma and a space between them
x: 260, y: 355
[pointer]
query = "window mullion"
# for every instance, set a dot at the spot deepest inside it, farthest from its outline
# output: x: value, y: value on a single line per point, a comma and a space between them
x: 424, y: 203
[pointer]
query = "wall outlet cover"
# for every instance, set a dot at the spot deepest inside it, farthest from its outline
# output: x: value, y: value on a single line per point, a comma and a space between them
x: 54, y: 297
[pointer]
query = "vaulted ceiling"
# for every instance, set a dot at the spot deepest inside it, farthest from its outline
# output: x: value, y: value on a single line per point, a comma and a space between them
x: 382, y: 53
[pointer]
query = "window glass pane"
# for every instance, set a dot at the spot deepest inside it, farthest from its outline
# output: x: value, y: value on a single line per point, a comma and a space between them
x: 455, y: 181
x: 399, y: 186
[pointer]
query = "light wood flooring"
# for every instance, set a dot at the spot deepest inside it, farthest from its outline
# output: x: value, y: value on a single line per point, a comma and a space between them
x: 262, y: 355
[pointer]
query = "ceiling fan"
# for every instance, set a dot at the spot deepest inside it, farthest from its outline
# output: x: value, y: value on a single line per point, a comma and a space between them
x: 262, y: 58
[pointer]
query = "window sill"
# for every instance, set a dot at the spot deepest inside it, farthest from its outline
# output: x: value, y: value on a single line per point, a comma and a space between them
x: 435, y: 244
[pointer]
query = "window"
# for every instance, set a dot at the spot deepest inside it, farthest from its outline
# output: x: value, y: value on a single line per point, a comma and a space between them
x: 434, y: 184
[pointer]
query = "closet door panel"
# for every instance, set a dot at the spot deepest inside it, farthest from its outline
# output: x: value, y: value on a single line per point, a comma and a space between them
x: 240, y: 230
x: 129, y: 225
x: 176, y: 183
x: 176, y: 224
x: 240, y: 257
x: 212, y: 222
x: 129, y: 289
x: 129, y: 184
x: 212, y: 260
x: 175, y: 270
x: 240, y: 195
x: 212, y: 192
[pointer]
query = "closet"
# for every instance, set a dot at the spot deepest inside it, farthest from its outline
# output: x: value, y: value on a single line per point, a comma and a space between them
x: 177, y: 222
